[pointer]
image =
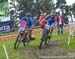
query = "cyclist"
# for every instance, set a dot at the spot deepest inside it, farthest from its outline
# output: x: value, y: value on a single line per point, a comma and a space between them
x: 42, y: 20
x: 27, y: 22
x: 48, y: 29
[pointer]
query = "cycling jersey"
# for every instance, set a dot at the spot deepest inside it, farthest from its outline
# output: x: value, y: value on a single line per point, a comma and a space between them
x: 49, y: 23
x: 42, y: 20
x: 29, y: 24
x: 22, y: 25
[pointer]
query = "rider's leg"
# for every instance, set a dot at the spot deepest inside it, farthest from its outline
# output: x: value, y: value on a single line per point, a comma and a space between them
x: 62, y: 29
x: 30, y: 33
x: 42, y: 39
x: 41, y: 44
x: 59, y: 32
x: 50, y: 35
x: 46, y: 42
x: 51, y: 31
x: 28, y: 41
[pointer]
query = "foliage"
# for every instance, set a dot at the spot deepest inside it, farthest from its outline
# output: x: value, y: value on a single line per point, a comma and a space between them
x: 73, y: 9
x: 35, y: 8
x: 2, y: 1
x: 59, y: 2
x: 3, y: 8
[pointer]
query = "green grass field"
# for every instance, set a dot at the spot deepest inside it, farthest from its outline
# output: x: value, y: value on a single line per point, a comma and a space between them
x: 32, y: 51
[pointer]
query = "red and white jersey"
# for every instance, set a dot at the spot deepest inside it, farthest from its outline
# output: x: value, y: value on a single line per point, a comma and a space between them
x: 59, y: 20
x: 42, y: 20
x: 22, y: 25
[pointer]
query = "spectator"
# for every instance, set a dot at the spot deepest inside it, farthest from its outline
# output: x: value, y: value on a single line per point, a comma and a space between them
x: 60, y: 22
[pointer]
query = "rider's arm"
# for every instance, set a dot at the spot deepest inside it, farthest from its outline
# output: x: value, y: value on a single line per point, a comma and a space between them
x: 32, y: 23
x: 23, y: 18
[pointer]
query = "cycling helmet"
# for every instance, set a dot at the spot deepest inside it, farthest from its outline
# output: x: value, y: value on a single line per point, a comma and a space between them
x: 28, y: 15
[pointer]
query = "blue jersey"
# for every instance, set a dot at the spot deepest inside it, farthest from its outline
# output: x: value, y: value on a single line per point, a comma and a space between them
x: 29, y: 24
x: 51, y: 21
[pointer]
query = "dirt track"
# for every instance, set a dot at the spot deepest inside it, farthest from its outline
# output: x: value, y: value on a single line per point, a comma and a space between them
x: 53, y: 51
x: 7, y: 36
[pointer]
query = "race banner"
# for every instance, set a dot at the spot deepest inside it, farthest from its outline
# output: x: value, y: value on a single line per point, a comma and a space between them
x: 7, y: 26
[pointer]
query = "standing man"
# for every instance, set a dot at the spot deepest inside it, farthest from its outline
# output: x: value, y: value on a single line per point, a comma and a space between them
x: 60, y: 23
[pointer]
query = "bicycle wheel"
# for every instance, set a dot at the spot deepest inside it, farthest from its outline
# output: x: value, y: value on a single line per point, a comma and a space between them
x: 26, y: 39
x: 17, y: 42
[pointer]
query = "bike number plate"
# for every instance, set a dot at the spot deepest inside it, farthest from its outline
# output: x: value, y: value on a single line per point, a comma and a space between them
x: 47, y: 27
x: 22, y: 29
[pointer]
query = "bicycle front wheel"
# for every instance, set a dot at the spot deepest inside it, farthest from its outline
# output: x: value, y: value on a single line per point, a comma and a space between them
x: 17, y: 42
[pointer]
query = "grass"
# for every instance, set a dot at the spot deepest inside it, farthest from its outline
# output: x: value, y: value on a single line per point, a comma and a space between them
x: 71, y: 47
x: 31, y: 51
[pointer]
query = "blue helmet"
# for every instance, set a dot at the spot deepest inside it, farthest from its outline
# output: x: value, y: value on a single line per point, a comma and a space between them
x: 28, y: 15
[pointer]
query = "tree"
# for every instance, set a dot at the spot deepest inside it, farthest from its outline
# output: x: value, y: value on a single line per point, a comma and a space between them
x: 62, y: 5
x: 3, y: 7
x: 73, y: 9
x: 67, y: 9
x: 24, y: 5
x: 35, y: 8
x: 3, y: 0
x: 60, y: 2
